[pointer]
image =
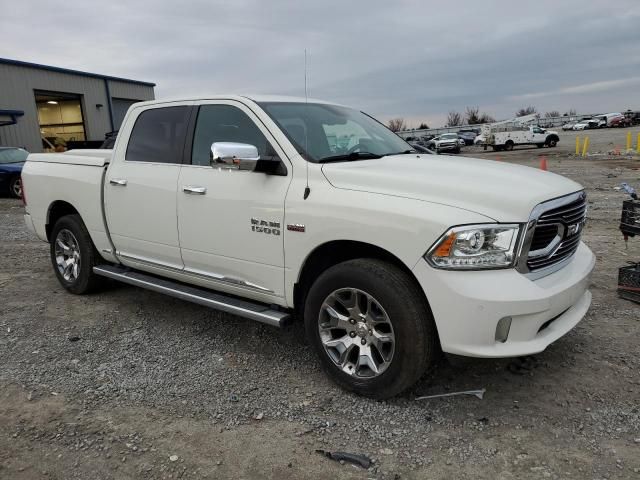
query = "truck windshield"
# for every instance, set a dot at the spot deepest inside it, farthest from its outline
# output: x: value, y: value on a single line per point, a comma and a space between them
x: 323, y: 133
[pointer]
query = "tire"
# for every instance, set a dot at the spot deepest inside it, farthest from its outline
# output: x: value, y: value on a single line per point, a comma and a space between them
x: 71, y: 245
x: 552, y: 142
x: 387, y: 292
x: 508, y: 146
x: 457, y: 150
x: 15, y: 187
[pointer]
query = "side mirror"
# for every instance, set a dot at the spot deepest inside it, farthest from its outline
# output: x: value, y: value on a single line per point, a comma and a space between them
x: 243, y: 156
x: 234, y: 156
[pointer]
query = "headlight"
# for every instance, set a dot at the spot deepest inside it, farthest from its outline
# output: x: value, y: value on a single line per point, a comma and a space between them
x: 475, y: 247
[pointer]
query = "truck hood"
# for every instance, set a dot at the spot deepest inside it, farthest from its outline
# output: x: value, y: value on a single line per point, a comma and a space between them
x: 501, y: 191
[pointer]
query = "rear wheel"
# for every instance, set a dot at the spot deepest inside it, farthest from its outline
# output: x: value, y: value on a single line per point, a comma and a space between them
x: 539, y: 145
x: 371, y: 327
x: 508, y: 146
x: 15, y: 187
x: 73, y: 255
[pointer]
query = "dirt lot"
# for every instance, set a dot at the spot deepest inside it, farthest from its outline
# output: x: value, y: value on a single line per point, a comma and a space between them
x: 131, y: 384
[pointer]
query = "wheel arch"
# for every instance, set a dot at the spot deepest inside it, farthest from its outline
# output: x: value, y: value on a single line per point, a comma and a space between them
x: 553, y: 136
x: 55, y: 212
x: 331, y: 253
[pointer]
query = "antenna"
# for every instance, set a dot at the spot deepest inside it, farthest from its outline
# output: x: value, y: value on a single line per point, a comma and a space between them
x: 307, y: 190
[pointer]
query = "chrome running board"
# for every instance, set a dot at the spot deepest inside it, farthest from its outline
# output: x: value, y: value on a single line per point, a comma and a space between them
x: 218, y: 301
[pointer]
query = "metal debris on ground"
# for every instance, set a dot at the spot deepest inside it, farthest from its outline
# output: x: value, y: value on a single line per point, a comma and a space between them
x: 354, y: 458
x: 475, y: 393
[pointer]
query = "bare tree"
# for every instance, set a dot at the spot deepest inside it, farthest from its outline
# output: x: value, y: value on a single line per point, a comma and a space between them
x: 397, y: 124
x: 552, y: 113
x: 454, y: 119
x: 570, y: 113
x: 472, y: 115
x: 486, y: 118
x: 423, y: 126
x: 526, y: 111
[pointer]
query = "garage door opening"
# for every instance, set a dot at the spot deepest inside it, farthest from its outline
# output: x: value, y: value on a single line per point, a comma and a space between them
x: 61, y: 119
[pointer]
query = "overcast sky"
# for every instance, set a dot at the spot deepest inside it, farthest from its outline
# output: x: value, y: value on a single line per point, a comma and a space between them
x: 412, y: 59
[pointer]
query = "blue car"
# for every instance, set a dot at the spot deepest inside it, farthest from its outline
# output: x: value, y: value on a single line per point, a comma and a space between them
x: 11, y: 162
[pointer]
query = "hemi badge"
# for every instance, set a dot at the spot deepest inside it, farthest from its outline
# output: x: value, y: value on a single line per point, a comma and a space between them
x: 296, y: 227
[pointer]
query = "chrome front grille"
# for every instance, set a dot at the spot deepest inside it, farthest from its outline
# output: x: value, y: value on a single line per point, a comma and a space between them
x: 554, y: 231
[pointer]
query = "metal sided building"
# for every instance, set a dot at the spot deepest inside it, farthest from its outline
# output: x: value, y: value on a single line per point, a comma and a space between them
x: 43, y: 108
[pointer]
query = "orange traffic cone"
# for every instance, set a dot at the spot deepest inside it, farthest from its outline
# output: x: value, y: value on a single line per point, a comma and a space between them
x: 543, y: 163
x: 498, y: 159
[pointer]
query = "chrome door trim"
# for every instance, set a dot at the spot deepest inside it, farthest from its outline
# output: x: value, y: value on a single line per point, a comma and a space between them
x: 236, y: 282
x: 120, y: 182
x: 146, y: 261
x: 226, y: 279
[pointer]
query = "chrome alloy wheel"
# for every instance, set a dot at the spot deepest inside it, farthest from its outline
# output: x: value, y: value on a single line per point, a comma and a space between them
x: 356, y: 333
x: 67, y: 252
x: 16, y: 187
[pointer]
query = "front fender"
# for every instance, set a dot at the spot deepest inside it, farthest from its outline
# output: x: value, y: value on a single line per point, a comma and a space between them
x: 404, y: 227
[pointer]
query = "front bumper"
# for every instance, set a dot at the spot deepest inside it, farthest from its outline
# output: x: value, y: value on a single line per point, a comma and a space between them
x: 447, y: 146
x: 467, y: 306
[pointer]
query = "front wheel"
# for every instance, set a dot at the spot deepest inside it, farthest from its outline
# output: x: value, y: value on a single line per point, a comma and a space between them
x: 73, y: 255
x: 552, y: 142
x: 371, y: 326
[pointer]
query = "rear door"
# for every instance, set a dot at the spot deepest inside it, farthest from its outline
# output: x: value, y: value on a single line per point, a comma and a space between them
x: 231, y: 231
x: 141, y: 185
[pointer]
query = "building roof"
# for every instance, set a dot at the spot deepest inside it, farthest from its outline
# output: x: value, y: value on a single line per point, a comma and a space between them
x: 19, y: 63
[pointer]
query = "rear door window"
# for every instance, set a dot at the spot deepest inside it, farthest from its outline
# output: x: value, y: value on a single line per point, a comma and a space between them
x: 158, y: 135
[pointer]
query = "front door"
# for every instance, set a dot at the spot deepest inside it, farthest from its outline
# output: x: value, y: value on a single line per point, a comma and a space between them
x: 140, y: 189
x: 231, y: 221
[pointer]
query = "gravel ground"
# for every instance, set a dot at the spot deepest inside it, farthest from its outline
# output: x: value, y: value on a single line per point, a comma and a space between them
x: 131, y: 384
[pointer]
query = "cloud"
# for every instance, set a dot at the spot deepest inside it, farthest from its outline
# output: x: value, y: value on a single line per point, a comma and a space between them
x: 602, y: 86
x: 410, y: 58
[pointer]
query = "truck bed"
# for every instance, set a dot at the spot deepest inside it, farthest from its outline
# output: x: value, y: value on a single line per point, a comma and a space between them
x: 74, y: 178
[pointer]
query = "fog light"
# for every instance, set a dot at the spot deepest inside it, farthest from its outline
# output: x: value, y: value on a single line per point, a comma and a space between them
x: 502, y: 330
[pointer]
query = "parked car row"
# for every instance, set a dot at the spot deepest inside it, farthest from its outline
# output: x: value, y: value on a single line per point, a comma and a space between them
x: 446, y: 142
x: 600, y: 121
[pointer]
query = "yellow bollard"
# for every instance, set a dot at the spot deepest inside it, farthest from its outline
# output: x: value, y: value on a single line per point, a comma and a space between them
x: 628, y: 141
x: 638, y: 145
x: 578, y: 144
x: 586, y: 146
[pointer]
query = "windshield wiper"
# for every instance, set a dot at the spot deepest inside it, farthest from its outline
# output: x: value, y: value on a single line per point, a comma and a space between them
x: 349, y: 157
x: 405, y: 152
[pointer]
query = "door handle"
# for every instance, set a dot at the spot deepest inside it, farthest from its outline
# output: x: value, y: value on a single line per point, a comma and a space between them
x: 192, y: 190
x: 118, y: 181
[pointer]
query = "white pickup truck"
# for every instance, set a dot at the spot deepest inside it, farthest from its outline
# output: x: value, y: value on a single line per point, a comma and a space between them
x: 505, y: 138
x: 274, y: 208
